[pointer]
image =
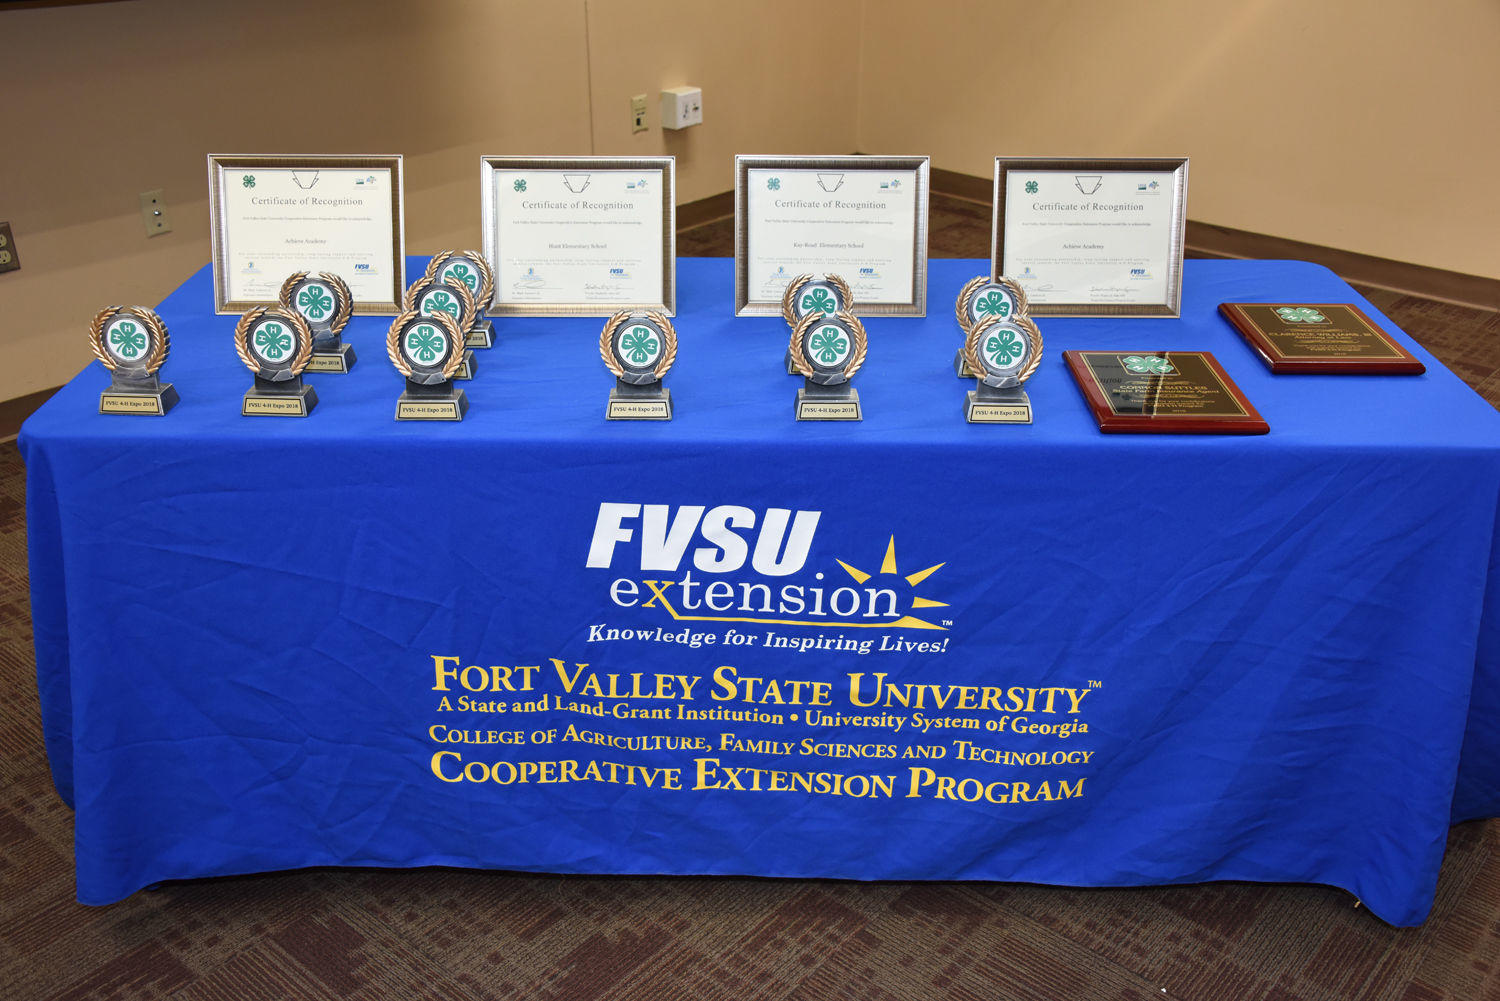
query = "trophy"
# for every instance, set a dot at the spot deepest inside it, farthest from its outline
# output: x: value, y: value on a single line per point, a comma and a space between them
x: 428, y: 350
x: 806, y: 294
x: 638, y: 347
x: 827, y: 351
x: 275, y: 344
x: 325, y: 302
x: 979, y: 299
x: 428, y: 296
x: 132, y: 343
x: 1005, y: 353
x: 470, y: 269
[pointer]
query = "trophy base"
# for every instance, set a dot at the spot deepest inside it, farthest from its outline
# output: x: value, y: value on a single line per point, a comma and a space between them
x: 481, y: 335
x: 828, y: 405
x: 791, y: 369
x: 339, y: 359
x: 432, y: 403
x: 267, y: 399
x: 147, y: 404
x: 998, y: 406
x: 654, y: 405
x: 466, y: 370
x: 961, y: 366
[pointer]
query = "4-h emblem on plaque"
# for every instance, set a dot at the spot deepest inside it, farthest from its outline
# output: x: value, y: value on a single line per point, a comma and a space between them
x: 132, y: 343
x: 1148, y: 365
x: 827, y: 349
x: 638, y: 347
x: 276, y: 344
x: 430, y: 295
x: 324, y: 301
x: 428, y: 350
x: 1005, y: 353
x: 1301, y: 314
x: 809, y: 294
x: 985, y: 298
x: 469, y: 269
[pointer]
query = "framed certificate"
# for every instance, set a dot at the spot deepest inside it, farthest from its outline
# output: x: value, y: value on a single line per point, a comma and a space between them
x: 1092, y: 237
x: 580, y: 235
x: 271, y: 216
x: 863, y: 218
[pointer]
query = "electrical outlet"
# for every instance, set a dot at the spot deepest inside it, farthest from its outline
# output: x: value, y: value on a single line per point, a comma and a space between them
x: 681, y: 107
x: 9, y: 259
x: 638, y: 114
x: 154, y: 213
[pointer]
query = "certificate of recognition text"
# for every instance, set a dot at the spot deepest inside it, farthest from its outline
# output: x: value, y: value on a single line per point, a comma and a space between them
x: 865, y: 225
x: 273, y: 221
x: 580, y: 240
x: 1105, y: 238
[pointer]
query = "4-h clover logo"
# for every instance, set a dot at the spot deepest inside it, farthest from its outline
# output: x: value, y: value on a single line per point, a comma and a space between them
x: 440, y: 302
x: 829, y: 345
x: 463, y: 273
x: 1148, y: 365
x: 1003, y: 348
x: 272, y: 341
x: 639, y: 345
x: 818, y: 301
x: 248, y: 181
x: 774, y: 183
x: 424, y: 342
x: 1032, y: 187
x: 128, y: 340
x: 993, y: 303
x: 1301, y: 314
x: 520, y: 184
x: 314, y: 301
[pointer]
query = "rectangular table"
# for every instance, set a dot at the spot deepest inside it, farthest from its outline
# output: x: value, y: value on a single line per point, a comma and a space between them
x: 1031, y: 653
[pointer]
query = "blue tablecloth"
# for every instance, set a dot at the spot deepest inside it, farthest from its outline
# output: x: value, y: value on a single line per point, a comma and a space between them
x: 907, y: 648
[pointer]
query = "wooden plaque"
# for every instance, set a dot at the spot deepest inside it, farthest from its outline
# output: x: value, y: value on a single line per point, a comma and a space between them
x: 1162, y: 392
x: 1328, y: 338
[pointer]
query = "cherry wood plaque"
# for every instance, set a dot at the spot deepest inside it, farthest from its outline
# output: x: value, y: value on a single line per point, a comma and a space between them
x: 1327, y: 338
x: 1162, y: 392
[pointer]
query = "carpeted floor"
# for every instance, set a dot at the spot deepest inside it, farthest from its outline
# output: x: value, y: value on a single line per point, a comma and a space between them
x: 437, y: 933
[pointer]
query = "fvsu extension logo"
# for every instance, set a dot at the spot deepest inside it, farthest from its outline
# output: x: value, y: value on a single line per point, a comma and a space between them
x: 693, y: 563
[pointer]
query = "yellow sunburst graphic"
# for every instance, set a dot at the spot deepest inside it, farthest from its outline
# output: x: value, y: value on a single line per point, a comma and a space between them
x: 888, y: 567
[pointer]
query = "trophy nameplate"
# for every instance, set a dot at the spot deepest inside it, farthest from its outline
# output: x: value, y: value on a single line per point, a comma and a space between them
x: 276, y: 344
x: 809, y: 294
x: 638, y: 347
x: 428, y: 351
x: 325, y: 302
x: 1327, y: 338
x: 827, y: 351
x: 132, y: 342
x: 1005, y: 353
x: 982, y: 298
x: 428, y: 296
x: 1162, y: 392
x: 469, y: 269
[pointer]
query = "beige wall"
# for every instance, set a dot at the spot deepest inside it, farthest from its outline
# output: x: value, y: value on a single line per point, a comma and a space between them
x: 766, y: 89
x: 1367, y: 125
x: 1372, y: 127
x: 110, y: 100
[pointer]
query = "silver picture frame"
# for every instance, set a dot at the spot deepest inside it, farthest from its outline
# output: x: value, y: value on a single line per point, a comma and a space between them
x: 1177, y: 166
x: 919, y: 166
x: 220, y: 163
x: 490, y: 244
